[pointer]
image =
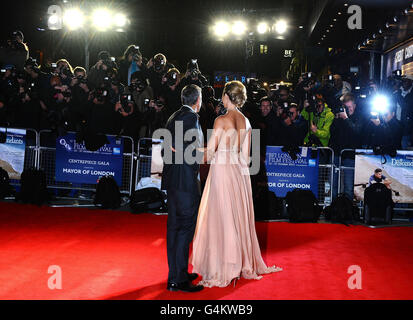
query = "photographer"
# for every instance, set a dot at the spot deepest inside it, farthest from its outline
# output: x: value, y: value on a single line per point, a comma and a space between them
x: 60, y: 110
x: 15, y: 52
x: 130, y: 63
x: 157, y: 68
x: 103, y: 115
x: 172, y: 90
x: 306, y: 87
x: 384, y: 132
x: 320, y: 119
x: 65, y: 71
x: 346, y: 133
x: 157, y: 115
x: 269, y: 122
x: 23, y: 103
x: 347, y: 125
x: 341, y: 87
x: 80, y: 95
x: 404, y: 111
x: 137, y: 124
x: 102, y: 69
x: 292, y: 128
x: 193, y: 75
x: 210, y: 109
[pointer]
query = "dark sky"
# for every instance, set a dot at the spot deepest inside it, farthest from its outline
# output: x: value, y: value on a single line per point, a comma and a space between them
x: 177, y: 28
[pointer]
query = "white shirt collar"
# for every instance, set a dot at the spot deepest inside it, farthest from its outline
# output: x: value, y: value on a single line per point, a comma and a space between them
x: 189, y: 108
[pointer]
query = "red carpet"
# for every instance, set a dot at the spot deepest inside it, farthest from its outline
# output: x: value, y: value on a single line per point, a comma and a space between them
x: 117, y: 255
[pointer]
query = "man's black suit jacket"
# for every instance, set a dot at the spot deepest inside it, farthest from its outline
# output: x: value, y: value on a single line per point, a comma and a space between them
x: 183, y: 177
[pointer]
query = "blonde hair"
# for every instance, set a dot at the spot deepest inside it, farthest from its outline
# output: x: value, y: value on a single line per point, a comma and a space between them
x: 65, y: 61
x: 236, y: 92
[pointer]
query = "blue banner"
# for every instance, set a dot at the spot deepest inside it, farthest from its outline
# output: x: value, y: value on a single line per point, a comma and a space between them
x: 12, y: 152
x: 76, y: 164
x: 285, y: 174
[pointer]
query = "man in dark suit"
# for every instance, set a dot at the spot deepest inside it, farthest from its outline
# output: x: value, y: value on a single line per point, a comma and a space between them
x: 180, y: 178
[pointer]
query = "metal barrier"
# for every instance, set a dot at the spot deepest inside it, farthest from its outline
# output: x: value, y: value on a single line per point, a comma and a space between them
x: 344, y: 171
x: 144, y: 159
x: 47, y: 157
x: 31, y: 156
x: 325, y: 173
x: 325, y: 176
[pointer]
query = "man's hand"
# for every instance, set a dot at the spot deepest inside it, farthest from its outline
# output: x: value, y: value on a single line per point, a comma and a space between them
x: 343, y: 115
x: 150, y: 63
x: 84, y: 87
x: 118, y: 106
x: 376, y: 121
x: 313, y: 128
x: 288, y: 121
x: 306, y: 104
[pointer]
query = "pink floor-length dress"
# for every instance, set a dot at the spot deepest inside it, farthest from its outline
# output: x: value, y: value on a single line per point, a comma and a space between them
x: 225, y: 243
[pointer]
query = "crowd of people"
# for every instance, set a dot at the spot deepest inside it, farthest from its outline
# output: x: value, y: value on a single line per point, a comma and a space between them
x: 133, y: 96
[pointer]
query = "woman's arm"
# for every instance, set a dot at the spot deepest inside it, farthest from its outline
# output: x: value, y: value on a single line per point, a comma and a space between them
x: 213, y: 142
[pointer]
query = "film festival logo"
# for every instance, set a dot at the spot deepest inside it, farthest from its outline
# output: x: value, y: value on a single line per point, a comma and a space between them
x: 189, y: 148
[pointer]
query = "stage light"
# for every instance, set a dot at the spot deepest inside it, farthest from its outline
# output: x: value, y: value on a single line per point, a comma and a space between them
x: 53, y: 19
x: 262, y: 28
x: 238, y: 28
x: 380, y: 31
x: 301, y: 27
x: 281, y: 26
x: 102, y: 19
x: 380, y: 105
x: 395, y: 19
x: 120, y: 20
x: 221, y: 29
x: 73, y: 19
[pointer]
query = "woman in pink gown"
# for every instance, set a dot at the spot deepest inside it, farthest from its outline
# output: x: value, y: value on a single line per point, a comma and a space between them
x: 225, y: 244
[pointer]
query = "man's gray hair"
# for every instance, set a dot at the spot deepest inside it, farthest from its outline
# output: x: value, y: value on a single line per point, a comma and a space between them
x: 190, y: 94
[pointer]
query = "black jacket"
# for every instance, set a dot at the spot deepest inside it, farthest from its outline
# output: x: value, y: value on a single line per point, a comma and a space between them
x: 183, y: 177
x: 346, y: 134
x: 387, y: 134
x: 292, y: 135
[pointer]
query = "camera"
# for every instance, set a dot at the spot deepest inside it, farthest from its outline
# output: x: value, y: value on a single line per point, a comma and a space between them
x: 159, y: 103
x: 193, y: 68
x: 108, y: 82
x: 312, y: 100
x: 159, y: 64
x: 338, y: 109
x: 66, y: 71
x: 171, y: 78
x: 66, y: 94
x: 308, y: 79
x: 81, y: 80
x: 101, y: 94
x: 138, y: 85
x: 125, y: 100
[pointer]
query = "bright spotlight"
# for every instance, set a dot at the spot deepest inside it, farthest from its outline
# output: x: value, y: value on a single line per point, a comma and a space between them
x: 73, y: 19
x: 221, y: 29
x: 262, y: 28
x: 238, y: 28
x: 120, y: 20
x: 53, y: 19
x: 281, y: 26
x: 380, y: 105
x: 102, y: 19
